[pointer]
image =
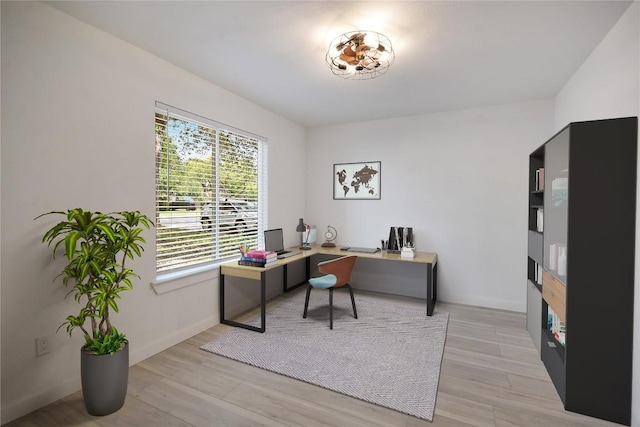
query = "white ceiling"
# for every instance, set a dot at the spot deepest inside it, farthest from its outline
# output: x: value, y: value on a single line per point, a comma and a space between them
x: 449, y: 54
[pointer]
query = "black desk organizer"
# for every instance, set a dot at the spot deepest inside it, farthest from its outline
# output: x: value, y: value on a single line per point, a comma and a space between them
x: 399, y: 237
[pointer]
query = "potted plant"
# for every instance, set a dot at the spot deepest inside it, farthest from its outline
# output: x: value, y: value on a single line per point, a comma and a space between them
x: 97, y: 247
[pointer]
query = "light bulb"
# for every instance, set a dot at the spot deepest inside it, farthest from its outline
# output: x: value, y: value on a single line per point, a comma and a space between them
x: 371, y: 40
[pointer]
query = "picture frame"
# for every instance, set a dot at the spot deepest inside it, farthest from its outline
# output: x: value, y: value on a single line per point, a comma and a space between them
x: 357, y: 181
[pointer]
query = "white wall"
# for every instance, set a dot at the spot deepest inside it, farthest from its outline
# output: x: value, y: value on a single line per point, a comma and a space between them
x: 77, y: 115
x: 607, y: 85
x: 459, y: 178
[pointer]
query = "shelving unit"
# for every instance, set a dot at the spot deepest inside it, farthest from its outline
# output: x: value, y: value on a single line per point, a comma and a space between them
x: 587, y: 251
x: 535, y: 250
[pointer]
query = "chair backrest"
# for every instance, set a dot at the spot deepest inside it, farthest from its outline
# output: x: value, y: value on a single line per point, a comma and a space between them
x: 340, y: 267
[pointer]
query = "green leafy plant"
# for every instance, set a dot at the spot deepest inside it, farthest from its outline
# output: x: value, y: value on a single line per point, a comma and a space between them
x: 97, y: 247
x: 105, y: 344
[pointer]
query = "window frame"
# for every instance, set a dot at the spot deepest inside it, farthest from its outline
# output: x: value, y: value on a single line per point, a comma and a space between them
x: 251, y: 232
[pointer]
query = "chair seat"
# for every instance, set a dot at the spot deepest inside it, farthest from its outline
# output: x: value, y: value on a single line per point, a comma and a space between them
x: 323, y: 282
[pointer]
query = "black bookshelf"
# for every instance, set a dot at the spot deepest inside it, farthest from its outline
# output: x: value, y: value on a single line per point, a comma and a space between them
x: 588, y: 254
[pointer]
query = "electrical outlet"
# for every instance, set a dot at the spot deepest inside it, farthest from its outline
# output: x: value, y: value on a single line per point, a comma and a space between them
x: 43, y: 346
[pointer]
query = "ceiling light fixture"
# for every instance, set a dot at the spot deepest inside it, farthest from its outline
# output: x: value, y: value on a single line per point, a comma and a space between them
x: 360, y: 55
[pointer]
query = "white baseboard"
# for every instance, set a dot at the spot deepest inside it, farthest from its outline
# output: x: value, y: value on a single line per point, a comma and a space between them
x: 37, y: 401
x: 490, y: 303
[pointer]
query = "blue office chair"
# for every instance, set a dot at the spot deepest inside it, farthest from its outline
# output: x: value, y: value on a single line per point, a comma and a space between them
x: 337, y: 274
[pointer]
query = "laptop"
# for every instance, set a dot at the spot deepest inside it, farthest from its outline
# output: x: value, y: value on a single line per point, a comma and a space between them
x: 274, y: 241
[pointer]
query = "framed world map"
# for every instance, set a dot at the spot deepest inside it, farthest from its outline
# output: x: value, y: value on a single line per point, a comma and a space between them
x: 356, y: 181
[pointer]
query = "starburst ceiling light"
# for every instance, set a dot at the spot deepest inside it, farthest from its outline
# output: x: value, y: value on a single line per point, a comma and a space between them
x: 360, y: 55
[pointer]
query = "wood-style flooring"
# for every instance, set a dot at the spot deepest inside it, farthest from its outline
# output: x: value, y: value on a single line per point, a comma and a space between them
x: 491, y: 376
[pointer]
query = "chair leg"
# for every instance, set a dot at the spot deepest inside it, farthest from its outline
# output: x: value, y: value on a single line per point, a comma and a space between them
x: 306, y: 302
x: 330, y: 308
x: 353, y: 301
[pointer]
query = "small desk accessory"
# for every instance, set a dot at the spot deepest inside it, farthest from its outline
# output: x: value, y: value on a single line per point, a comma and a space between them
x: 407, y: 252
x: 329, y: 236
x: 400, y: 237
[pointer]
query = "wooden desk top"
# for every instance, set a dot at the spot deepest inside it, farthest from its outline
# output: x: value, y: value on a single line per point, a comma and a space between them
x: 421, y: 257
x: 232, y: 268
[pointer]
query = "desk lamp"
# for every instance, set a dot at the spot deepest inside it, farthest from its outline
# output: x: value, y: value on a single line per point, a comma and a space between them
x: 301, y: 228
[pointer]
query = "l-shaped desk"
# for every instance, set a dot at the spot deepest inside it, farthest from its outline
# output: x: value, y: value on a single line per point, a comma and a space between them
x: 429, y: 259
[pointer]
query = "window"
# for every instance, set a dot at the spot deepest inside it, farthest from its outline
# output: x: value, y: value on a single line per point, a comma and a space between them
x: 210, y: 189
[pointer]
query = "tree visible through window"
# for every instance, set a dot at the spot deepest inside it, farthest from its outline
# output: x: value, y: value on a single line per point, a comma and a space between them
x: 209, y: 181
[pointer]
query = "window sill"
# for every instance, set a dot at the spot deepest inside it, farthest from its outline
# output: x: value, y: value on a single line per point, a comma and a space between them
x: 170, y: 282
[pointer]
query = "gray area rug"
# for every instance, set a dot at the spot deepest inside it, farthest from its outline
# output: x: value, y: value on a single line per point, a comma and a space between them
x: 389, y: 356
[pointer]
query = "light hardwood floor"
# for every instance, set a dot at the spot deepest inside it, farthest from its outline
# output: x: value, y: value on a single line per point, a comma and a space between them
x: 491, y: 376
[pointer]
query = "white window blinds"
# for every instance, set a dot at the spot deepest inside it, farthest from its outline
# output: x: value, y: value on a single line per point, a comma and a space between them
x: 211, y: 187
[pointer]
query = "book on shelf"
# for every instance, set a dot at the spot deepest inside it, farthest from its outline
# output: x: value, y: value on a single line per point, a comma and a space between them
x: 539, y: 180
x: 556, y: 326
x: 537, y: 273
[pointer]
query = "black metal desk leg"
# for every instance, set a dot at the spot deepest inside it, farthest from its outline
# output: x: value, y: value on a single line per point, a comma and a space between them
x: 435, y: 283
x: 431, y: 290
x: 221, y: 302
x: 263, y: 307
x: 263, y: 300
x: 284, y: 278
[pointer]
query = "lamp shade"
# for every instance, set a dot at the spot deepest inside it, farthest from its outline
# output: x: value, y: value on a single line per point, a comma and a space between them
x: 301, y: 228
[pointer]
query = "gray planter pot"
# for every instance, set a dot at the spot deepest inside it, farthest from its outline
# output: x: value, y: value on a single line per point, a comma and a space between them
x: 104, y: 381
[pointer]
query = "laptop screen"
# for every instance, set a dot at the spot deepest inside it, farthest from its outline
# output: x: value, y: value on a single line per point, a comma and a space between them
x: 273, y: 240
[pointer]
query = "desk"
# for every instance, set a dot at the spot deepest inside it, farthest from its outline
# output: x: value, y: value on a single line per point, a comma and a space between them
x: 430, y: 260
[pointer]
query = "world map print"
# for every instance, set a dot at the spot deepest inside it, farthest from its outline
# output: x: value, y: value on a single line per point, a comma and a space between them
x: 356, y: 180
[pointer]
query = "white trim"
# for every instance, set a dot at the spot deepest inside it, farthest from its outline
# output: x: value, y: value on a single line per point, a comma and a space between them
x: 181, y: 279
x: 206, y: 121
